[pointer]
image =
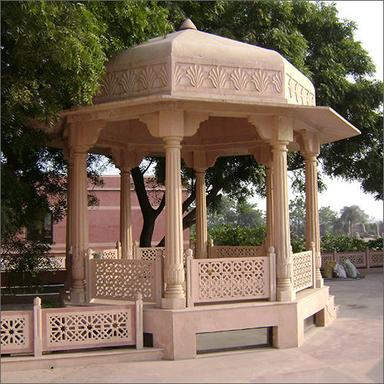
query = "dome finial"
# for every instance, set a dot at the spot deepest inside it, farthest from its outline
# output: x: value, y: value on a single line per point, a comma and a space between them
x: 187, y: 24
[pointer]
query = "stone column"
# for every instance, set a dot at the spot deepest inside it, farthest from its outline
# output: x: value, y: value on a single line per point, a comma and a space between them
x: 125, y: 214
x: 201, y: 215
x: 281, y: 233
x: 174, y: 296
x: 79, y: 221
x: 68, y: 231
x: 312, y: 212
x: 269, y: 205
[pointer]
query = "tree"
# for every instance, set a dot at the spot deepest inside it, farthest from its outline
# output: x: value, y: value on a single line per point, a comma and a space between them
x: 232, y: 212
x: 54, y: 54
x: 312, y: 37
x: 327, y: 220
x: 53, y: 58
x: 297, y: 216
x: 349, y: 216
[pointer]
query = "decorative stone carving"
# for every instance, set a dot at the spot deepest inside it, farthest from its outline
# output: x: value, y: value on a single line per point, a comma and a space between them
x: 302, y: 270
x: 220, y: 77
x: 299, y: 94
x: 135, y: 81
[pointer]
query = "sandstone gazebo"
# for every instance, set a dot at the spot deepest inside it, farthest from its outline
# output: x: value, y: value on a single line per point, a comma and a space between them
x: 196, y: 96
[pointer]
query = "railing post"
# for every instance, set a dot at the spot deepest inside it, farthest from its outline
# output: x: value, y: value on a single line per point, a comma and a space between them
x: 139, y: 321
x: 313, y: 249
x: 272, y: 273
x: 367, y: 256
x: 158, y: 279
x: 37, y: 328
x: 189, y: 261
x: 335, y: 255
x: 118, y: 247
x: 88, y: 278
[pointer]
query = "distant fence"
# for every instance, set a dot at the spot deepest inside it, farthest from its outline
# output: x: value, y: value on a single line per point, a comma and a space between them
x: 361, y: 259
x: 62, y: 329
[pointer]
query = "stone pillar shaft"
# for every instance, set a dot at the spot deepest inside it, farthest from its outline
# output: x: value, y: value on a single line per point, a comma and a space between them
x: 201, y: 216
x: 125, y: 214
x: 269, y: 206
x: 68, y: 232
x: 174, y: 296
x: 312, y: 212
x: 79, y: 224
x: 281, y: 233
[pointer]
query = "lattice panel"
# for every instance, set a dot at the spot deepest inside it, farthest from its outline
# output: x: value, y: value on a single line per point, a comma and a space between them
x: 376, y: 259
x: 358, y: 259
x: 123, y: 279
x: 150, y: 253
x: 230, y: 279
x: 222, y: 251
x: 302, y: 270
x: 86, y: 327
x: 108, y: 254
x: 325, y: 257
x: 16, y: 332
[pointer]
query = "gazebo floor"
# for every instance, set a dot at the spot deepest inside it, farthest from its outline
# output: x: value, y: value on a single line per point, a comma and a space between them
x: 175, y: 330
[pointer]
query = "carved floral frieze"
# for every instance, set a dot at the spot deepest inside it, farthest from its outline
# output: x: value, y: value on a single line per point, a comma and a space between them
x: 220, y: 77
x: 135, y: 81
x: 217, y: 78
x: 299, y: 94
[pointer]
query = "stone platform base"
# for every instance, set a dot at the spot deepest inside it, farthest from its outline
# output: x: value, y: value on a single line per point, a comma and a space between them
x: 175, y: 330
x: 74, y: 359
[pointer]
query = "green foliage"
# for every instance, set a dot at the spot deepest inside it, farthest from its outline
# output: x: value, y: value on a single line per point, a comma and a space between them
x: 235, y: 235
x: 376, y: 245
x: 297, y: 243
x: 297, y: 216
x: 327, y: 219
x: 232, y: 212
x: 312, y: 37
x: 53, y: 58
x: 341, y: 243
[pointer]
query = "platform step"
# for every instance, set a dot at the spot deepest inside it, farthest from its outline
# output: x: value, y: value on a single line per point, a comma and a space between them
x: 72, y: 359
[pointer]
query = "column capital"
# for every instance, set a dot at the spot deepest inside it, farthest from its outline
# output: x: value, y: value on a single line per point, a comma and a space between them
x: 309, y: 144
x: 273, y: 128
x: 126, y: 159
x: 84, y: 135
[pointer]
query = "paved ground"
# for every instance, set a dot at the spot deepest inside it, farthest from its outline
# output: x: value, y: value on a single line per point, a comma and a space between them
x: 348, y: 351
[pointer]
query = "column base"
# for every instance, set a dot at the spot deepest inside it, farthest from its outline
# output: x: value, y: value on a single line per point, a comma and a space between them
x: 319, y: 283
x: 286, y: 295
x: 77, y: 296
x: 173, y: 303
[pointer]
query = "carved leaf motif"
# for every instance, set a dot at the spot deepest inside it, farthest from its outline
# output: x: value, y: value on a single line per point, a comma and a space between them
x: 291, y: 87
x: 239, y: 79
x: 195, y: 75
x: 218, y: 77
x: 261, y: 80
x: 127, y: 81
x: 297, y: 91
x: 178, y: 74
x: 276, y: 81
x: 147, y: 78
x: 163, y: 76
x: 110, y: 85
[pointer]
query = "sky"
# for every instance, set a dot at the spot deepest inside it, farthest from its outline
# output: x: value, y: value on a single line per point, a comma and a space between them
x: 368, y: 16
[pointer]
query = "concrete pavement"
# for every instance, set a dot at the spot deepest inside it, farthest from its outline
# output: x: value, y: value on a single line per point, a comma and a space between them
x: 348, y: 351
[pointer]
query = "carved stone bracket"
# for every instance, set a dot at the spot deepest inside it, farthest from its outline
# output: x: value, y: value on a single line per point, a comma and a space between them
x: 82, y: 136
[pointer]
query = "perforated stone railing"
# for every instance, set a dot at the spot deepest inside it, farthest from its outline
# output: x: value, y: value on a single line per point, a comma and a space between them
x: 121, y: 279
x: 16, y: 331
x: 303, y: 270
x: 112, y: 254
x: 62, y: 329
x: 219, y: 251
x: 148, y: 253
x: 230, y: 279
x: 361, y: 259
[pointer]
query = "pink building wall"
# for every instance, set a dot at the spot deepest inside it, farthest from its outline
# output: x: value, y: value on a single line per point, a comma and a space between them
x: 104, y: 219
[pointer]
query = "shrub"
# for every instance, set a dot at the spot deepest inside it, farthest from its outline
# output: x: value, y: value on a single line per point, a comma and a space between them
x: 341, y: 243
x: 236, y: 235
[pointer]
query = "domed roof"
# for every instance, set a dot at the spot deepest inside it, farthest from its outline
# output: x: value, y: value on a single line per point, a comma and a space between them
x: 196, y: 65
